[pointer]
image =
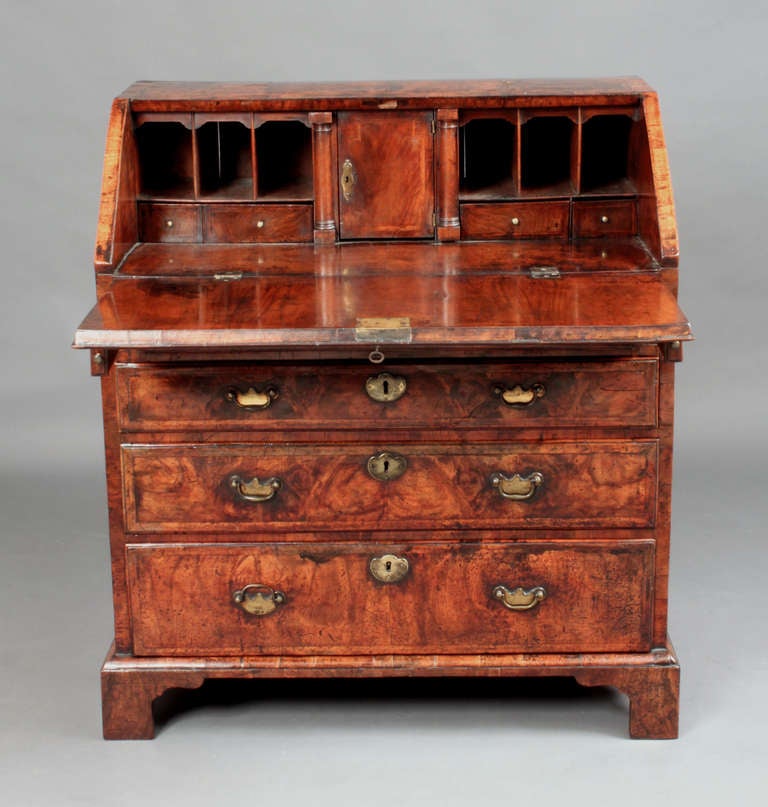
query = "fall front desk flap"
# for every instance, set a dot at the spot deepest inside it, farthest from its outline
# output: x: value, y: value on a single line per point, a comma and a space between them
x: 232, y: 296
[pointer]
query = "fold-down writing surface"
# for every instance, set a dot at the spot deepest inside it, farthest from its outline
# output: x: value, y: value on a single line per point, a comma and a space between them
x: 418, y: 258
x: 309, y: 310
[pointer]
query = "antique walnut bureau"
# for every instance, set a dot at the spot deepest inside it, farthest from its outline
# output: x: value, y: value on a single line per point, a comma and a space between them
x: 387, y: 376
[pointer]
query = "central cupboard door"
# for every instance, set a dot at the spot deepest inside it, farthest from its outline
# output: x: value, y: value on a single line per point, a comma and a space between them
x: 386, y: 174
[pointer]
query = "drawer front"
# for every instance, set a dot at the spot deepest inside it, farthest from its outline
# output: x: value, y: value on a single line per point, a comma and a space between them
x: 541, y: 394
x: 161, y: 223
x: 591, y: 219
x: 226, y: 599
x: 515, y: 220
x: 257, y: 223
x: 176, y: 488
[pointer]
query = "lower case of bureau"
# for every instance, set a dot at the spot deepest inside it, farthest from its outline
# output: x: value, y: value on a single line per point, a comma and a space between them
x: 651, y: 680
x: 399, y: 609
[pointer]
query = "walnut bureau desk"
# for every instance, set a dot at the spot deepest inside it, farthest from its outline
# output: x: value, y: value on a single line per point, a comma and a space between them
x: 387, y: 377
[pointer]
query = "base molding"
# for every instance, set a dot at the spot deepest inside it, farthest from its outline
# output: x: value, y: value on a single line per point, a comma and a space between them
x: 651, y: 680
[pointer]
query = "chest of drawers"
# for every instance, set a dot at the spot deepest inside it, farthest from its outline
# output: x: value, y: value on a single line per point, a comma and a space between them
x: 387, y: 378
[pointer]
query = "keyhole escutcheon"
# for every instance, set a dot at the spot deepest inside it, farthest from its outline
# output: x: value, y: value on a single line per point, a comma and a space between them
x: 385, y: 387
x: 348, y: 179
x: 386, y: 465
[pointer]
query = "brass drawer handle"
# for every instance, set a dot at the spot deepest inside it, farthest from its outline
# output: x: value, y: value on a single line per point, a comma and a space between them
x: 517, y: 487
x: 255, y: 490
x: 518, y: 599
x: 385, y: 387
x: 389, y: 568
x: 519, y: 395
x: 252, y: 398
x: 386, y: 465
x: 258, y: 599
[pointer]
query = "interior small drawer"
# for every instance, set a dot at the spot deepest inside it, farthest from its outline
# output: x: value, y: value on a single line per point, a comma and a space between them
x: 398, y: 597
x: 260, y: 223
x: 169, y: 223
x: 291, y: 487
x: 593, y: 219
x: 552, y: 394
x: 515, y: 220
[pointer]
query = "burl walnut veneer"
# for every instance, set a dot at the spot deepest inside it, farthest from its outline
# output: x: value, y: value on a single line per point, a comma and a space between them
x: 387, y: 374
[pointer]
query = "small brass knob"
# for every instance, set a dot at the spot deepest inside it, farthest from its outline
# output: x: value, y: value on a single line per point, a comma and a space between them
x: 604, y: 219
x: 515, y: 221
x: 260, y: 223
x: 169, y: 223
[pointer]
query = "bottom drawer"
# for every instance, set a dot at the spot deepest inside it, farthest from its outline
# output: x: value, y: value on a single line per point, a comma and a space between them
x: 435, y: 597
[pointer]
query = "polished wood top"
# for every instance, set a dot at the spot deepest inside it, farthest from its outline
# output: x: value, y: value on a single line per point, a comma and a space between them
x: 451, y: 294
x: 211, y: 96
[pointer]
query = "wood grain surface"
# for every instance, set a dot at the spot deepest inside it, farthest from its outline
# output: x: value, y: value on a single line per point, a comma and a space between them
x: 181, y: 488
x: 323, y: 396
x: 472, y: 308
x: 597, y: 598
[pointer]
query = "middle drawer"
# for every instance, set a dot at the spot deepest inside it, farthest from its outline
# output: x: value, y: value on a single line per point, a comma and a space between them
x: 241, y: 488
x: 601, y: 393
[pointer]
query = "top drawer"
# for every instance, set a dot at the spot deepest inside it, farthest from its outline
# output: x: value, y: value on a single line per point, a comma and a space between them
x: 617, y: 392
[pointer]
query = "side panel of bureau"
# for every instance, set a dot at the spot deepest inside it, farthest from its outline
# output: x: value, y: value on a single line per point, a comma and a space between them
x: 594, y: 597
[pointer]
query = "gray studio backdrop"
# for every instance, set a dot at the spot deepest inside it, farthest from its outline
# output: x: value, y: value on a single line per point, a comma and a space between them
x: 62, y: 64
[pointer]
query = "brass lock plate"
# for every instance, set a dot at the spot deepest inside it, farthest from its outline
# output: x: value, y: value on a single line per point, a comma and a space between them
x: 348, y: 179
x: 385, y: 387
x: 383, y: 330
x: 389, y: 568
x: 386, y: 465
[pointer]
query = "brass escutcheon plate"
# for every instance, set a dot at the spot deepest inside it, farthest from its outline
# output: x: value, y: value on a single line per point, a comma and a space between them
x: 389, y: 568
x: 386, y: 465
x: 348, y: 179
x: 385, y: 387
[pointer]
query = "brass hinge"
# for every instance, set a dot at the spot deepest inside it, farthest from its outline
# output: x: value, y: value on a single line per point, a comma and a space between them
x: 544, y: 272
x: 434, y: 219
x: 433, y: 125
